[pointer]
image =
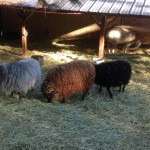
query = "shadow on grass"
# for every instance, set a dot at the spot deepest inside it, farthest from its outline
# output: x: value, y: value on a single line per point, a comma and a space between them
x: 80, y: 46
x: 7, y: 51
x: 85, y: 46
x: 132, y: 57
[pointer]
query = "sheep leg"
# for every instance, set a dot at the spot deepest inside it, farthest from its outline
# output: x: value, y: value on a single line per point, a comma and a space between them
x: 125, y: 49
x: 12, y: 94
x: 100, y: 89
x: 120, y: 88
x: 20, y: 96
x: 49, y: 101
x: 63, y: 100
x: 87, y: 88
x: 83, y: 95
x: 108, y: 89
x: 49, y: 97
x: 123, y: 88
x: 113, y: 50
x: 109, y: 48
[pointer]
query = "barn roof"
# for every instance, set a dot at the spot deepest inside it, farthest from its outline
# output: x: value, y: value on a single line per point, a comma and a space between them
x: 110, y: 7
x: 19, y: 3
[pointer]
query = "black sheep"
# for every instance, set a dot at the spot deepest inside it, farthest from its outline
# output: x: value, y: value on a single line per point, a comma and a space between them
x: 113, y: 74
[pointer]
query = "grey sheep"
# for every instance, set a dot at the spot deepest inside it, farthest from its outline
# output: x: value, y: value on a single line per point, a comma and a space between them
x: 122, y: 37
x: 68, y: 79
x: 20, y: 77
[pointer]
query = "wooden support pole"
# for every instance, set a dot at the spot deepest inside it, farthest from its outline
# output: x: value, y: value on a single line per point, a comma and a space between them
x: 24, y: 19
x: 24, y: 40
x: 1, y: 32
x: 102, y: 38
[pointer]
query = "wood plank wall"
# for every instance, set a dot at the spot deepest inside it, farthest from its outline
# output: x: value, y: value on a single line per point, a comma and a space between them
x: 50, y: 26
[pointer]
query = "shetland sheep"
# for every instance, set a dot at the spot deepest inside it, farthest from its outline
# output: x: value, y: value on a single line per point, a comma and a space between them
x: 68, y: 79
x: 113, y: 74
x: 120, y: 36
x: 20, y: 77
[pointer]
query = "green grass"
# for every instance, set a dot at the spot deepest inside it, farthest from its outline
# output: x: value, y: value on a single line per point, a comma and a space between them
x: 97, y: 123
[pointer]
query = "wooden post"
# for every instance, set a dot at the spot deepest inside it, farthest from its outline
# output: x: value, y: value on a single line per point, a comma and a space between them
x: 1, y: 32
x: 24, y: 19
x: 102, y: 38
x: 122, y: 21
x: 24, y: 40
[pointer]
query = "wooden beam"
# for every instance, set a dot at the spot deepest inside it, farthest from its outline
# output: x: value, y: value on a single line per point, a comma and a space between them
x: 102, y: 38
x: 95, y: 20
x: 110, y: 22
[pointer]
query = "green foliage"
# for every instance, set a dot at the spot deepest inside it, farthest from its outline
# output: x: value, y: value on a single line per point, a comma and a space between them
x: 97, y: 123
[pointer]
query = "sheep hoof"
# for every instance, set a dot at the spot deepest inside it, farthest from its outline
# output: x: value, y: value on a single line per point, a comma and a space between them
x: 63, y: 100
x: 112, y: 98
x: 11, y: 95
x: 83, y: 96
x: 119, y: 88
x: 123, y: 88
x: 82, y: 99
x: 49, y: 101
x: 21, y: 95
x: 100, y: 90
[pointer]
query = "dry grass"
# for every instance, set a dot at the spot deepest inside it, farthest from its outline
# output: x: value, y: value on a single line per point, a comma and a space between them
x: 98, y: 123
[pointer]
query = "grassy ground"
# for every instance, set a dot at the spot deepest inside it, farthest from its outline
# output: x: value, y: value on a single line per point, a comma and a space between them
x: 98, y: 123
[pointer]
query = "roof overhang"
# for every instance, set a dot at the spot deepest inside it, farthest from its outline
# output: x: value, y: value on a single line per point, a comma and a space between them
x: 139, y: 8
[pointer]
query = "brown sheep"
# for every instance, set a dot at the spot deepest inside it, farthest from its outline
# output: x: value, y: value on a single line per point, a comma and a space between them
x: 68, y: 79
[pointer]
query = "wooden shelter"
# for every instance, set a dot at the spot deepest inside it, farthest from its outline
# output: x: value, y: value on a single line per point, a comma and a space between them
x: 128, y: 8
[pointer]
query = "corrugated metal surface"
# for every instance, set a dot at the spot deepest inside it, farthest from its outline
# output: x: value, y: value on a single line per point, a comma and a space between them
x: 116, y: 7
